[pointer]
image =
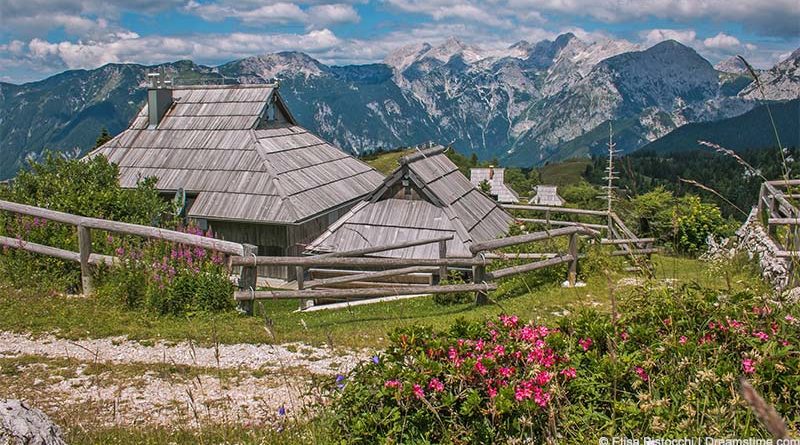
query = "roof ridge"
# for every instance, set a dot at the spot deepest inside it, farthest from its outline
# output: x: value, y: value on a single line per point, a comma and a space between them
x: 228, y: 86
x: 285, y: 199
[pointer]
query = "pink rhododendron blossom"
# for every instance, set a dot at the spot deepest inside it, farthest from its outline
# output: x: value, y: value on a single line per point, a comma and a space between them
x: 790, y: 319
x: 418, y: 391
x: 585, y: 343
x: 542, y: 378
x: 480, y: 368
x: 682, y: 340
x: 505, y: 371
x: 392, y: 384
x: 624, y: 335
x: 642, y: 373
x: 763, y: 336
x: 436, y: 385
x: 509, y: 321
x: 748, y: 366
x: 569, y: 373
x: 540, y: 397
x: 492, y: 392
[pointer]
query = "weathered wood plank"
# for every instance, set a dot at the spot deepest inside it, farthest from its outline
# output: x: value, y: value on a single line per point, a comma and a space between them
x: 248, y: 278
x: 55, y: 252
x: 385, y: 248
x: 555, y: 209
x: 784, y: 221
x: 529, y: 237
x: 368, y: 276
x: 317, y: 261
x: 84, y: 252
x: 519, y: 256
x: 514, y: 270
x: 634, y: 252
x: 605, y: 241
x: 127, y: 228
x: 562, y: 223
x: 360, y: 293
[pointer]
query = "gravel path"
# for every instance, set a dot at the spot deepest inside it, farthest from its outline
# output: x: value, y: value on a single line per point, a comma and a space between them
x: 242, y: 383
x: 248, y: 356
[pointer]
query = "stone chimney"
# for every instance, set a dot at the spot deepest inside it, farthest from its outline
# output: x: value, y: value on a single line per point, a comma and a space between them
x: 159, y: 99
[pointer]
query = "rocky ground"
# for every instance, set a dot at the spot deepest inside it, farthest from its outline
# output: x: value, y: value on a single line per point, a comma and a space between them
x: 117, y: 382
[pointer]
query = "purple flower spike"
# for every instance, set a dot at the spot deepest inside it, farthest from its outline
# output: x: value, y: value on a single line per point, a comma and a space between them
x: 376, y: 359
x: 282, y: 411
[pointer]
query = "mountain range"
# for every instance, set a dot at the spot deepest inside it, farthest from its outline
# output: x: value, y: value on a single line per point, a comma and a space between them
x: 528, y: 104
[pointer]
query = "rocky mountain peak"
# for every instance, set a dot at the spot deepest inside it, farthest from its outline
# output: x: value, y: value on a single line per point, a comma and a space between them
x: 733, y: 65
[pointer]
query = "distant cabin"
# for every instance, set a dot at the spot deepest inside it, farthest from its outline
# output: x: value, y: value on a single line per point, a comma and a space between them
x: 248, y: 171
x: 546, y: 195
x: 501, y: 192
x: 424, y: 198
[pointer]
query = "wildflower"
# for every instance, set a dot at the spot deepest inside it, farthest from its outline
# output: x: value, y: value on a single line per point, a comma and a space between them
x: 376, y: 359
x: 418, y: 391
x: 585, y: 343
x: 436, y: 385
x: 506, y: 371
x: 763, y: 336
x: 784, y: 343
x: 339, y: 380
x: 624, y: 335
x: 790, y: 319
x: 542, y: 378
x: 509, y: 321
x: 682, y: 340
x: 642, y: 373
x: 491, y: 392
x: 748, y: 366
x: 281, y: 411
x: 523, y: 391
x: 120, y: 251
x: 569, y: 373
x: 480, y: 368
x: 540, y: 397
x: 667, y: 321
x: 734, y: 324
x: 391, y: 384
x: 499, y: 350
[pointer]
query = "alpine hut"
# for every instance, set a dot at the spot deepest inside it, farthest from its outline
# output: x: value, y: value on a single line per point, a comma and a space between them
x: 547, y: 195
x: 495, y: 177
x: 247, y: 170
x: 424, y: 198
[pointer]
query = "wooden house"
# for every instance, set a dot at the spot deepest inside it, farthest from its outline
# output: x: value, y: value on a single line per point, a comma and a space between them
x: 546, y: 195
x: 498, y: 188
x: 248, y: 171
x: 424, y: 198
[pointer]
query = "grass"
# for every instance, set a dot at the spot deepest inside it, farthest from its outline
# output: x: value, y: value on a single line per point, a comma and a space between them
x: 385, y: 162
x: 564, y: 173
x: 357, y: 327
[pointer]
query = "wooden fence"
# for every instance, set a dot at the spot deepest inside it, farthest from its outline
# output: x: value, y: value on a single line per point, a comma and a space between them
x: 364, y: 282
x: 616, y: 232
x: 781, y: 216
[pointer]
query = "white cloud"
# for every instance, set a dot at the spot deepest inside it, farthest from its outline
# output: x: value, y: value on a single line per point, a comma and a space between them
x: 274, y: 12
x: 722, y: 41
x: 685, y: 36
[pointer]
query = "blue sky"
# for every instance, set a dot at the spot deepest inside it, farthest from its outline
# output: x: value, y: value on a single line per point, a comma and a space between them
x: 42, y: 37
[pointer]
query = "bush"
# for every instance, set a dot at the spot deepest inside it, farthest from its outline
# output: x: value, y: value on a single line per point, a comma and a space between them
x: 453, y: 277
x: 667, y: 367
x: 168, y: 278
x: 82, y: 187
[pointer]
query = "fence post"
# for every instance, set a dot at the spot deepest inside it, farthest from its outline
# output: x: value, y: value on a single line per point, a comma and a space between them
x: 85, y: 249
x: 572, y: 277
x: 442, y: 255
x: 300, y: 272
x: 248, y: 278
x: 478, y: 277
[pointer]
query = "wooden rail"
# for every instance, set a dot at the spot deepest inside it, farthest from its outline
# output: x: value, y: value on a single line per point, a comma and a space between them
x: 776, y: 210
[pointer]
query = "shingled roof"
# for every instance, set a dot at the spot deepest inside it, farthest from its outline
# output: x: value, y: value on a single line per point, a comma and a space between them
x: 425, y: 197
x: 496, y: 179
x: 214, y: 143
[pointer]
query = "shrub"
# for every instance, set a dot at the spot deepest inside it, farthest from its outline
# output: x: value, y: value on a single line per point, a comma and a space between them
x: 694, y: 221
x: 666, y: 367
x: 453, y: 277
x: 83, y: 187
x: 168, y: 278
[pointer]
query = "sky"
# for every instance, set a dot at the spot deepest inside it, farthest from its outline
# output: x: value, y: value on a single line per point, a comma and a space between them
x: 39, y: 38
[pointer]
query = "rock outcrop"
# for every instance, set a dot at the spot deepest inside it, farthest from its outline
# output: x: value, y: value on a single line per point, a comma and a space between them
x: 21, y: 424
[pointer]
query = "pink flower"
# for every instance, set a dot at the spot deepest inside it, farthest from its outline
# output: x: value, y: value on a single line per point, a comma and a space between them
x: 667, y: 321
x: 542, y: 378
x: 682, y: 340
x: 734, y: 324
x: 499, y: 350
x: 642, y: 373
x: 540, y: 397
x: 480, y: 368
x: 585, y: 343
x: 785, y: 343
x: 436, y: 385
x: 418, y: 391
x: 392, y: 384
x: 509, y: 321
x: 748, y: 366
x: 505, y: 371
x: 624, y: 335
x: 763, y: 336
x: 569, y: 373
x: 523, y: 391
x: 492, y: 392
x: 790, y: 319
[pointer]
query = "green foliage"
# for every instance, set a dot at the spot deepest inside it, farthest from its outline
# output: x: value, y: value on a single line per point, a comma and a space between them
x: 665, y: 367
x: 485, y: 187
x: 695, y: 221
x: 104, y: 137
x: 454, y: 277
x: 582, y: 195
x: 683, y: 223
x: 83, y: 187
